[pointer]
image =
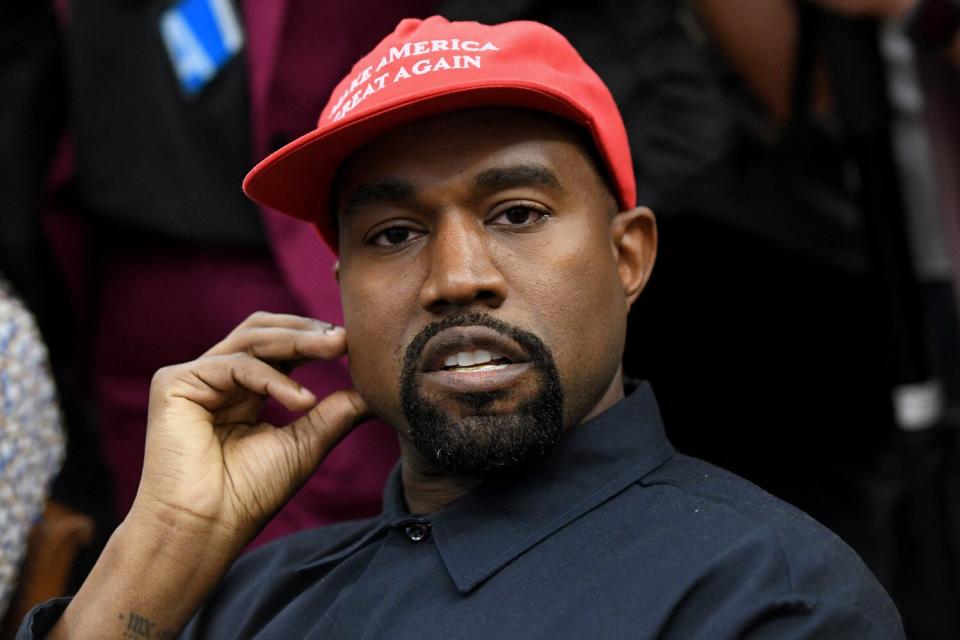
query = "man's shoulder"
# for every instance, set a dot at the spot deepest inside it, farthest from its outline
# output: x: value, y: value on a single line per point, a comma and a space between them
x: 723, y: 508
x: 728, y: 541
x: 736, y: 501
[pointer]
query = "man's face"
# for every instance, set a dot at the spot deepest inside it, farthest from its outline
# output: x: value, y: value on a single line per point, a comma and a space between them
x: 483, y: 283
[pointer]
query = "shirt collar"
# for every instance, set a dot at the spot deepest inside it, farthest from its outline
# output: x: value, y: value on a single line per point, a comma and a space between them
x: 485, y: 530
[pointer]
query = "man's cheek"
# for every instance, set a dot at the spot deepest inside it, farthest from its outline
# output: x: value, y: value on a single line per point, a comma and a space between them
x: 368, y: 362
x: 374, y: 368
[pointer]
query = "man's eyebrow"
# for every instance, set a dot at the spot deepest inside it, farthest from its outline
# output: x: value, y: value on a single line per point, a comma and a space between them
x: 520, y: 175
x: 391, y: 190
x: 387, y: 190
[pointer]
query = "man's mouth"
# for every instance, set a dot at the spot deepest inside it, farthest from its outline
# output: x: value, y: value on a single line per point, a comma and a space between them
x: 476, y: 360
x: 470, y: 349
x: 473, y: 359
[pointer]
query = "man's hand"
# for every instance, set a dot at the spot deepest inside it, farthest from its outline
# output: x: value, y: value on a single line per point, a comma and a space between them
x: 212, y: 474
x: 209, y: 463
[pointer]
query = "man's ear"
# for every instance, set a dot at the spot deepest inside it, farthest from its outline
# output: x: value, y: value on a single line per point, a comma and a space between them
x: 633, y: 235
x: 336, y: 271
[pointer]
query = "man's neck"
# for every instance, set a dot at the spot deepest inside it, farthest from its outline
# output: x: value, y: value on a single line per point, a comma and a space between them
x: 426, y: 488
x: 429, y: 489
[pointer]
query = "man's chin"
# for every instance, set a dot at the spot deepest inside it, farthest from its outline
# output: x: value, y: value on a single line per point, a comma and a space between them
x: 492, y: 405
x: 482, y: 444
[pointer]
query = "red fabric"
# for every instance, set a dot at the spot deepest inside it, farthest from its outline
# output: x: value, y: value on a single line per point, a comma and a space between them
x: 429, y: 66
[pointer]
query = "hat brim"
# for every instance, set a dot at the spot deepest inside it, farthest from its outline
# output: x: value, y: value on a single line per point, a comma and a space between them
x: 296, y: 179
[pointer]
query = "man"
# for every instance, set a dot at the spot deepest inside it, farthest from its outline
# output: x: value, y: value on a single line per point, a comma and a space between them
x: 477, y: 185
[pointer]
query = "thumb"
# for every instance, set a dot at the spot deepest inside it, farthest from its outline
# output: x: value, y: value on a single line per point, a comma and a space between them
x: 319, y: 431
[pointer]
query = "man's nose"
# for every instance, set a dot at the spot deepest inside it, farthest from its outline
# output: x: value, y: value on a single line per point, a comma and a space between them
x: 461, y: 269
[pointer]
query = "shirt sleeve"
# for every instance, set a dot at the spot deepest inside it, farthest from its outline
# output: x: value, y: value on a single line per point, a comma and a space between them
x: 41, y: 619
x: 790, y: 617
x: 822, y: 619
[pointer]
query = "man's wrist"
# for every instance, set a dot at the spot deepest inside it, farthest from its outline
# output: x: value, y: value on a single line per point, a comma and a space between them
x: 154, y: 574
x: 208, y: 545
x: 207, y: 540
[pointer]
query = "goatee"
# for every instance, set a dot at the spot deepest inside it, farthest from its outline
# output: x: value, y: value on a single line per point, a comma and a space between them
x: 484, y: 441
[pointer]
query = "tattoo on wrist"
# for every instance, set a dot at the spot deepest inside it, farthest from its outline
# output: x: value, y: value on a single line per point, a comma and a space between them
x: 138, y: 627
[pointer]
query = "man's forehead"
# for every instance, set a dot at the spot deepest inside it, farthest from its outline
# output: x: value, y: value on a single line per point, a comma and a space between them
x: 504, y: 144
x: 459, y: 130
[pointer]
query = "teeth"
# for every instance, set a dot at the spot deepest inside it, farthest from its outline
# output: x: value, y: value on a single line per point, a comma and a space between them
x: 488, y: 367
x: 471, y: 358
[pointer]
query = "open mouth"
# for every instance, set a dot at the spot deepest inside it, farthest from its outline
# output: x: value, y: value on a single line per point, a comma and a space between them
x: 471, y: 349
x: 475, y: 360
x: 468, y: 360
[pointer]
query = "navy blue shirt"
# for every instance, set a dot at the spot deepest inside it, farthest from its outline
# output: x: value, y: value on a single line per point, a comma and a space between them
x: 612, y: 535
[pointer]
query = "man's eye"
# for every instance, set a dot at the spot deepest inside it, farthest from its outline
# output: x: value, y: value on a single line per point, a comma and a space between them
x: 394, y: 236
x: 519, y: 215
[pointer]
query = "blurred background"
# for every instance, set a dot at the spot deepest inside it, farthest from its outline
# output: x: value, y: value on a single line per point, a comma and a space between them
x: 800, y: 329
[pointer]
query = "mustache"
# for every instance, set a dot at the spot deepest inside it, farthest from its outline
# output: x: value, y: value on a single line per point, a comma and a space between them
x: 530, y: 342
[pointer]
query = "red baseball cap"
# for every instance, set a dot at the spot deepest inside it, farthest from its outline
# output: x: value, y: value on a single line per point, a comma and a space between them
x: 433, y: 66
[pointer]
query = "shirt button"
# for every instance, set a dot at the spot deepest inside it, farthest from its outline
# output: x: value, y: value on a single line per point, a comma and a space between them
x: 417, y: 532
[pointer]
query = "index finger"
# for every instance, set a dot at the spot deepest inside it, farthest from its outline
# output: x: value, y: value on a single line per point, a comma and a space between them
x: 280, y: 344
x: 282, y: 320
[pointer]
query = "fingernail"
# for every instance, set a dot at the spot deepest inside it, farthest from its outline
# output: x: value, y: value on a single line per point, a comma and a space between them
x: 332, y: 329
x: 306, y: 393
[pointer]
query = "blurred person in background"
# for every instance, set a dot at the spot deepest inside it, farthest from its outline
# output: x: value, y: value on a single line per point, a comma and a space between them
x: 31, y: 435
x: 850, y: 410
x: 32, y: 84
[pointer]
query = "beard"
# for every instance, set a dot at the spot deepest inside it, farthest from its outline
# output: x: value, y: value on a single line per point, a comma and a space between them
x: 484, y: 441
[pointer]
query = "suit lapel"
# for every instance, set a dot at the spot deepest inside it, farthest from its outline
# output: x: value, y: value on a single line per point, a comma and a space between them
x: 304, y: 260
